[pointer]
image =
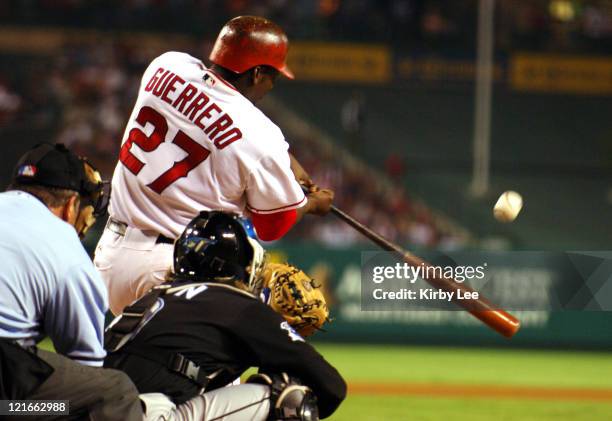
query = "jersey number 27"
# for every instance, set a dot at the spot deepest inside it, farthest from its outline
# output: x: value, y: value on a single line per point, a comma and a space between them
x: 196, y: 153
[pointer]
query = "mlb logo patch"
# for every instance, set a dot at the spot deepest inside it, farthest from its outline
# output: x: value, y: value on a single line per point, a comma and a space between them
x: 27, y: 171
x: 209, y: 80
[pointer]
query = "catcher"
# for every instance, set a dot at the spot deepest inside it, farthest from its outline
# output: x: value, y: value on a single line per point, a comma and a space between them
x: 185, y: 340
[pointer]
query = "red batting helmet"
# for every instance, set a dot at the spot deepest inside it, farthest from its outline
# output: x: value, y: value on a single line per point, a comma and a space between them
x: 248, y: 41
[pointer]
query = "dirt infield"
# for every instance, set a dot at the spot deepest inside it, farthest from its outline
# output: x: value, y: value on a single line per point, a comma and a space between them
x: 479, y: 391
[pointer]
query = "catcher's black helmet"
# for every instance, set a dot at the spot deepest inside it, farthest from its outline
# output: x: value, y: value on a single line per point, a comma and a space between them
x: 219, y: 247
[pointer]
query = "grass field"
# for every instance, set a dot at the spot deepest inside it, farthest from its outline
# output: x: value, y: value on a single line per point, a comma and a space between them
x: 460, y: 384
x: 422, y: 383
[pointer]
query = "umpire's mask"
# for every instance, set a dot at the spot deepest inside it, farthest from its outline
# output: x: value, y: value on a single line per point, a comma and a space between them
x: 94, y: 200
x: 55, y: 166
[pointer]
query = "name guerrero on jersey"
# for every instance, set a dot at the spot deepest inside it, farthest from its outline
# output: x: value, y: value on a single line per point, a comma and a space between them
x: 195, y: 143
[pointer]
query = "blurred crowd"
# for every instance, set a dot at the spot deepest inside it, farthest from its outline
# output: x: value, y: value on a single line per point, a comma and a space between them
x: 85, y: 96
x: 387, y: 208
x: 411, y: 24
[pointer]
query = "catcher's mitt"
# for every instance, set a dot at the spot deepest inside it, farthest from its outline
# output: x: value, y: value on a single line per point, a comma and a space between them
x: 297, y: 297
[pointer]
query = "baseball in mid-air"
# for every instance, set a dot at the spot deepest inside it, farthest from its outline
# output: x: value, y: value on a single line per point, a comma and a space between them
x: 508, y: 206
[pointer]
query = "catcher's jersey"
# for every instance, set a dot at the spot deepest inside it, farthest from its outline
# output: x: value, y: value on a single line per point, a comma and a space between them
x: 195, y: 143
x: 220, y: 327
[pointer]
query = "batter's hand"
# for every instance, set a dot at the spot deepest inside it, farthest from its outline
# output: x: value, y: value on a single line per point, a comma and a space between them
x: 320, y: 201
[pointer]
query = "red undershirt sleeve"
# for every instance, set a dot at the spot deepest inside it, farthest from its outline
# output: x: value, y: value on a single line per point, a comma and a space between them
x: 272, y: 226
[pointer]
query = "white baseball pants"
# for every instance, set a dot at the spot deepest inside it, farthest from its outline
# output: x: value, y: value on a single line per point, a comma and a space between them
x: 234, y: 403
x: 131, y: 264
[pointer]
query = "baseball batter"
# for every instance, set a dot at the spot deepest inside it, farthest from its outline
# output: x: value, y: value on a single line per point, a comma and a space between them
x: 195, y: 141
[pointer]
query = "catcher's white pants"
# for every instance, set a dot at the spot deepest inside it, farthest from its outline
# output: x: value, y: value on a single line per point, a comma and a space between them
x: 131, y: 264
x: 235, y: 403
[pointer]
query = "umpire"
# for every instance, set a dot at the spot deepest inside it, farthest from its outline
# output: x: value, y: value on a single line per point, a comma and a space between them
x: 185, y: 340
x: 49, y: 286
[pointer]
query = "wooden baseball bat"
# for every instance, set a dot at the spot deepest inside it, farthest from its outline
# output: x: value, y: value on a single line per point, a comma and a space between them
x: 499, y: 320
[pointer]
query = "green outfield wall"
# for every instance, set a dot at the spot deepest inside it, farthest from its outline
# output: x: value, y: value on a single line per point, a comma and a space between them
x: 340, y: 270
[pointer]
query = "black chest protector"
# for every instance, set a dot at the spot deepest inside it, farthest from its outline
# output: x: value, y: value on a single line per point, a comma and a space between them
x: 125, y: 327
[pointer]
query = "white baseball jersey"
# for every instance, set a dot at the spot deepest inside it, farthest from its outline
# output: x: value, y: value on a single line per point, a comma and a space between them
x: 193, y: 143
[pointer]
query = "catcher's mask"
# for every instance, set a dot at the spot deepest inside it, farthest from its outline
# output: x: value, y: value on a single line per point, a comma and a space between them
x: 94, y: 199
x: 219, y: 247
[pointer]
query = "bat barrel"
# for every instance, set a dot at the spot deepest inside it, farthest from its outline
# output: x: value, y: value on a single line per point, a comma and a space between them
x: 502, y: 322
x: 497, y: 319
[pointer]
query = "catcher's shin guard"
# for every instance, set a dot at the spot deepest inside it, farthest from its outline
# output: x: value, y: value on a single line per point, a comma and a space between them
x: 289, y: 400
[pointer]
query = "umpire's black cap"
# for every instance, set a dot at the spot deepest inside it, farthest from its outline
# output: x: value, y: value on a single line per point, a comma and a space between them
x: 54, y: 166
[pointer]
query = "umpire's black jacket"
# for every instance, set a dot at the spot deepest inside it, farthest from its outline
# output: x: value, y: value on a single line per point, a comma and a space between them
x: 219, y: 326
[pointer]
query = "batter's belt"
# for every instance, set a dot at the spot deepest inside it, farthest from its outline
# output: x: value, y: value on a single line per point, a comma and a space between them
x: 120, y: 228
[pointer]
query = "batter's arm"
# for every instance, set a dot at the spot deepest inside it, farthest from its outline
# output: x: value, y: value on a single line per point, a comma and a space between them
x: 300, y: 173
x: 319, y: 200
